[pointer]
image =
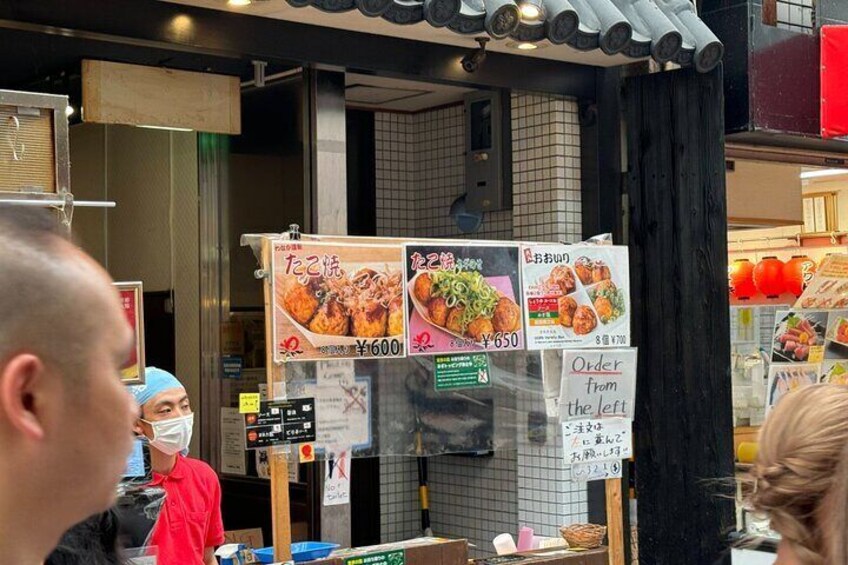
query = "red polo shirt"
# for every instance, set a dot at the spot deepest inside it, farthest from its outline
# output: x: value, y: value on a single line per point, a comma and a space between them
x: 190, y: 520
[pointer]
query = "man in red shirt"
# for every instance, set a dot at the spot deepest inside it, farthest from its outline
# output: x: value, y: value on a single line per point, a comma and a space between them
x: 189, y: 526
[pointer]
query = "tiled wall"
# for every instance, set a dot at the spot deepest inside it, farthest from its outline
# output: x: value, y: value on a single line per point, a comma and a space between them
x: 546, y: 168
x: 419, y: 173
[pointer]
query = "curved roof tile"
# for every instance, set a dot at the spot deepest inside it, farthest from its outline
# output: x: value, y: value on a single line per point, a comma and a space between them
x: 666, y: 30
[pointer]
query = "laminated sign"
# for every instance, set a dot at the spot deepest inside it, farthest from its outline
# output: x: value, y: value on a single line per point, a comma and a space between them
x: 281, y: 423
x: 337, y: 301
x: 463, y: 299
x: 576, y: 296
x: 397, y: 557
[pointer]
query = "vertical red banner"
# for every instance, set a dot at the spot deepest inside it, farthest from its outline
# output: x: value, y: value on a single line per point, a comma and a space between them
x: 834, y: 81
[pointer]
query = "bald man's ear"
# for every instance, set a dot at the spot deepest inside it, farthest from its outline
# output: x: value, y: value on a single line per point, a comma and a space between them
x: 20, y: 380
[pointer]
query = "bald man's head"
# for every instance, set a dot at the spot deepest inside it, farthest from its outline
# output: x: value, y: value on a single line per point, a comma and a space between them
x: 53, y: 295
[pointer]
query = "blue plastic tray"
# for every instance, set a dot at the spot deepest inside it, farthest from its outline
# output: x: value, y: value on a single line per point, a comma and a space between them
x: 303, y: 551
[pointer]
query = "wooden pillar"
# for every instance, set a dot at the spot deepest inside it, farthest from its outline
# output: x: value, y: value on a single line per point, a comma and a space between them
x: 678, y: 242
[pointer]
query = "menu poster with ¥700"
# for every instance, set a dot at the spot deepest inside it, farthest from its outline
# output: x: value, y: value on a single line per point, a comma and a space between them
x: 576, y: 296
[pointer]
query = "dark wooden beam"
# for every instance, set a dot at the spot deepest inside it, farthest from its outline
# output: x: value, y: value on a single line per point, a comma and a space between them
x: 678, y: 257
x: 600, y: 156
x: 163, y: 25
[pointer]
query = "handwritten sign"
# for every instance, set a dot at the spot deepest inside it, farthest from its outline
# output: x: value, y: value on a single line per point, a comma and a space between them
x: 584, y: 472
x: 603, y: 439
x: 337, y: 480
x: 249, y: 403
x: 598, y: 384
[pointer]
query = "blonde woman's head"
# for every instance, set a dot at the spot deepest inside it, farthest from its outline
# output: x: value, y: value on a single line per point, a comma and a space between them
x: 801, y: 473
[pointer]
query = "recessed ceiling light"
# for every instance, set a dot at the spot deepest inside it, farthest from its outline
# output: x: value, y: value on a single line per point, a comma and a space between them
x: 239, y: 3
x: 527, y: 46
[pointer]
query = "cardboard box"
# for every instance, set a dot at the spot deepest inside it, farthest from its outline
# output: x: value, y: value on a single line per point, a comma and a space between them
x: 422, y: 551
x: 555, y: 556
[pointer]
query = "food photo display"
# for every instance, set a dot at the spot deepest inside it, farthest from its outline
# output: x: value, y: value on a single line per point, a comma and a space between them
x: 576, y: 296
x: 463, y: 298
x: 337, y: 301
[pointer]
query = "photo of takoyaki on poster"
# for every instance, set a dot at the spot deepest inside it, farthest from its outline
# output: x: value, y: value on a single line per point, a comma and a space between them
x: 337, y: 301
x: 463, y: 298
x: 576, y: 296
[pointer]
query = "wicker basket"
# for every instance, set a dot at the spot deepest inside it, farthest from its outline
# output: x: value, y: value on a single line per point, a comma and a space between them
x: 587, y: 536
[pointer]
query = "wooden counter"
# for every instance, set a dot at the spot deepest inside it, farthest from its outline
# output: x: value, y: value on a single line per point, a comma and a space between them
x: 598, y: 556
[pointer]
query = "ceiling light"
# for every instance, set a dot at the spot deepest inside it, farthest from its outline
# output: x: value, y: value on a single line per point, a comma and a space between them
x: 527, y: 46
x: 69, y: 110
x: 823, y: 173
x: 239, y: 3
x: 531, y: 10
x: 167, y: 128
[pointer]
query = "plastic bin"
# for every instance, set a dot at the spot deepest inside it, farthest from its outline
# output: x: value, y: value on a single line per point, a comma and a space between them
x: 302, y: 551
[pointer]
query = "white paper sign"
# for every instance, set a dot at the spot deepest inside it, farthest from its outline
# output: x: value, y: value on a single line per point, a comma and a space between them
x: 583, y: 472
x: 598, y: 384
x: 337, y: 480
x: 603, y: 439
x: 233, y: 459
x: 342, y: 405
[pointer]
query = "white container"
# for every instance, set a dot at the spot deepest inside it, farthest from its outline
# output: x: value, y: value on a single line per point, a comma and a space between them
x: 504, y: 544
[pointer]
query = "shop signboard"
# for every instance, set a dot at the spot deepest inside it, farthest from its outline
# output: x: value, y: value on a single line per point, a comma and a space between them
x: 458, y: 372
x: 598, y: 383
x: 463, y: 298
x: 281, y: 423
x: 597, y: 440
x: 576, y: 296
x: 131, y: 293
x: 336, y: 301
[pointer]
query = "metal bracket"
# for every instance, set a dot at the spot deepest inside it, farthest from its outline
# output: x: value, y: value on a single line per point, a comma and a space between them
x: 62, y: 201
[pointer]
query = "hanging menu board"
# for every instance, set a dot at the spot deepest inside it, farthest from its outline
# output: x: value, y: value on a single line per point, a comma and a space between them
x: 337, y: 301
x: 463, y: 298
x: 576, y: 296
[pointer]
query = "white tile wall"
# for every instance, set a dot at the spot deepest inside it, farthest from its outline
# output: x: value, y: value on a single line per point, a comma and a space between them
x: 419, y: 173
x: 546, y: 168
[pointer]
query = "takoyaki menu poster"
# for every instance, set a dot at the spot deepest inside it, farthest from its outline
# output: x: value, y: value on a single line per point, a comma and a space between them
x: 463, y: 298
x: 576, y: 296
x: 337, y: 301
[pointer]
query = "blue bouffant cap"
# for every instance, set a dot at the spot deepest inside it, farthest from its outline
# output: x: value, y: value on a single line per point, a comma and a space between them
x: 155, y: 381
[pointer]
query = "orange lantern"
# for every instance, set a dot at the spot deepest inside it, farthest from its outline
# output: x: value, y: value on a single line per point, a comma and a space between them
x: 768, y: 277
x: 797, y: 274
x: 740, y: 278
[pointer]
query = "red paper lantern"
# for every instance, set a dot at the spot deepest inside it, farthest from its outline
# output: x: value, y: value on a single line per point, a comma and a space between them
x: 740, y: 278
x: 797, y: 274
x: 768, y: 277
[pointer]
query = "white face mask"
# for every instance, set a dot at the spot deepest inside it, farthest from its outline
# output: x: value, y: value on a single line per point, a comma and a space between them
x: 172, y: 436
